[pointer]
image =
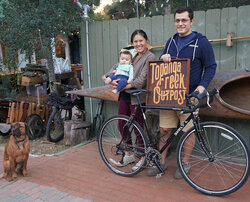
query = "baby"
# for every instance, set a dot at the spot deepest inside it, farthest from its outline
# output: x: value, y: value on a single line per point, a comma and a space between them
x: 124, y: 72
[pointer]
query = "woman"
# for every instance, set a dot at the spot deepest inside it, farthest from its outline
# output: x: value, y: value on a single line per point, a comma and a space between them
x: 127, y: 103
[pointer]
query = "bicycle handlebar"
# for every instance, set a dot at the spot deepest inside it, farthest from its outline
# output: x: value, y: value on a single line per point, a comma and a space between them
x: 195, y: 94
x: 208, y: 94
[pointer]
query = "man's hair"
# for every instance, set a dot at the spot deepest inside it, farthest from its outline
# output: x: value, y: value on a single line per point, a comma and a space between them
x: 126, y: 52
x: 183, y: 9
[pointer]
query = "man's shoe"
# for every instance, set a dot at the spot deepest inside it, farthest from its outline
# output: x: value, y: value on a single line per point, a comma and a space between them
x: 126, y: 160
x: 186, y: 167
x: 154, y: 170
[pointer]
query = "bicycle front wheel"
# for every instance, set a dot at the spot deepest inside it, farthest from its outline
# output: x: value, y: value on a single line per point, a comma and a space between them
x: 55, y: 125
x: 122, y: 142
x: 224, y: 169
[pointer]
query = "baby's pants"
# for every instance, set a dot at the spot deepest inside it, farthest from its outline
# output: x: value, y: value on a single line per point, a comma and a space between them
x: 122, y: 83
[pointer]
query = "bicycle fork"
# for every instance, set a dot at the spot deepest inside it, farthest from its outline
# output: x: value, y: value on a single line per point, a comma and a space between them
x: 198, y: 131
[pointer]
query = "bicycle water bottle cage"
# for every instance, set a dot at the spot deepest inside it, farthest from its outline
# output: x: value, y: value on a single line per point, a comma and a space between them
x: 59, y: 102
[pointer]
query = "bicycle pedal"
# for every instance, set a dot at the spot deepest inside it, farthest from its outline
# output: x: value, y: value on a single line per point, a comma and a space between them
x: 159, y: 175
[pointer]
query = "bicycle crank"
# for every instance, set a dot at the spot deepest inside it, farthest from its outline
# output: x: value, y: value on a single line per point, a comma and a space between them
x: 152, y: 155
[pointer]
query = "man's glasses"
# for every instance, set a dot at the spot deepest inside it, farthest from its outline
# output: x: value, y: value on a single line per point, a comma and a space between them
x: 181, y: 20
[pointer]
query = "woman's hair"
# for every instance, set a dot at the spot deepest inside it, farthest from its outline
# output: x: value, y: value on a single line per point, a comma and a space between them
x: 140, y: 32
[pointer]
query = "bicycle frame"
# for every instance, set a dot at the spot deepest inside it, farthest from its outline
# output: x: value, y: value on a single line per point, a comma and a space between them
x: 195, y: 119
x: 173, y: 135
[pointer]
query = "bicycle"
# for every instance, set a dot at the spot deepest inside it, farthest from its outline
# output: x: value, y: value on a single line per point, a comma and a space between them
x: 219, y: 161
x: 62, y: 111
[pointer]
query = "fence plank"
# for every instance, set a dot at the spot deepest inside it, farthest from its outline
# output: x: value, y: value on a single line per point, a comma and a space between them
x: 228, y: 24
x: 123, y: 35
x: 168, y: 28
x: 106, y: 47
x: 199, y: 22
x: 157, y: 33
x: 93, y: 62
x: 114, y: 56
x: 146, y: 26
x: 114, y: 53
x: 84, y: 64
x: 243, y: 46
x: 99, y: 54
x: 213, y: 31
x: 106, y: 54
x: 133, y: 24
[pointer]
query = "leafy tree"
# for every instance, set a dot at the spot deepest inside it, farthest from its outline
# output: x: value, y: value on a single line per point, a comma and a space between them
x: 127, y: 8
x: 29, y: 25
x: 121, y: 9
x: 212, y: 4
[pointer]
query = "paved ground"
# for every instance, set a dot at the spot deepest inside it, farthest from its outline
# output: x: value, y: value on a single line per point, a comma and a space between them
x: 80, y: 175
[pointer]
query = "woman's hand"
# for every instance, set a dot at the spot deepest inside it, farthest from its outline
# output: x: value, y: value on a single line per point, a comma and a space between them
x: 128, y: 86
x: 114, y: 83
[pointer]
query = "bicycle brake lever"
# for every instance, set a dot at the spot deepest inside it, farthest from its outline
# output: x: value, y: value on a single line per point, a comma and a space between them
x: 208, y: 98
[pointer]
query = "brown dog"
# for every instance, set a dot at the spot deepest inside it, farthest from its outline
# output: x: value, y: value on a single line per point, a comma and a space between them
x: 16, y: 152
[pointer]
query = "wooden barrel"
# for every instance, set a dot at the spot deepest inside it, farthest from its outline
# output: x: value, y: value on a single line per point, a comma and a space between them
x: 233, y: 100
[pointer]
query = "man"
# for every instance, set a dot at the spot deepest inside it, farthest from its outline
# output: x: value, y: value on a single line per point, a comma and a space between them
x: 185, y: 44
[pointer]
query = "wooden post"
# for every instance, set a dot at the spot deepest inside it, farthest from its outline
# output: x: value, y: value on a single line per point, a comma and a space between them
x: 20, y: 111
x: 12, y: 112
x: 229, y: 41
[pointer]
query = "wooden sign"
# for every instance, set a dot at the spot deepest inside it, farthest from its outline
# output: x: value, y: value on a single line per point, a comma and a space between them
x: 168, y: 82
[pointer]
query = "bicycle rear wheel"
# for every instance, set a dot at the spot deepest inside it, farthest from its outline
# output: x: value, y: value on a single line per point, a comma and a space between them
x: 117, y: 136
x: 55, y: 125
x: 96, y: 125
x: 227, y: 169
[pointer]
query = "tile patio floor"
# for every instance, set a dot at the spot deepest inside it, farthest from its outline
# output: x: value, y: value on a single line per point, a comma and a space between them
x: 80, y: 175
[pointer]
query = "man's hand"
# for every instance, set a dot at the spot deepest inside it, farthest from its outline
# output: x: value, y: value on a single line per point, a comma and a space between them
x: 166, y: 58
x: 200, y: 89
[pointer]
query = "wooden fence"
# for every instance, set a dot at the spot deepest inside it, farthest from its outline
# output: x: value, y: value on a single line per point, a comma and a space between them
x: 108, y: 37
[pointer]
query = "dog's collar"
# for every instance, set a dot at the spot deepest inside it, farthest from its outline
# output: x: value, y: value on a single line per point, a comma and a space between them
x: 17, y: 141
